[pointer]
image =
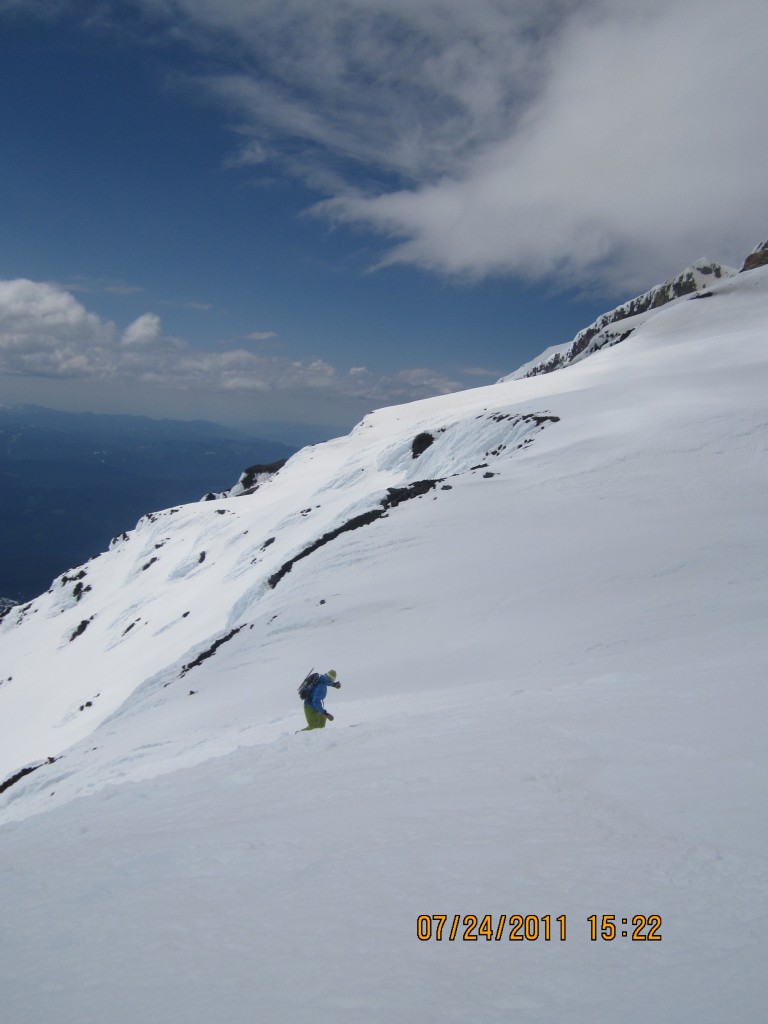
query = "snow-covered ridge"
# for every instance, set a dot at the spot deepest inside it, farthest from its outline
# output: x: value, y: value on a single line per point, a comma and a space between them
x: 141, y: 609
x: 546, y: 603
x: 613, y: 327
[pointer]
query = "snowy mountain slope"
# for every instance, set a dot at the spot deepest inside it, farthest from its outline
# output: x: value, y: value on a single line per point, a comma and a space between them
x: 617, y: 325
x: 145, y: 606
x: 69, y: 481
x: 553, y: 702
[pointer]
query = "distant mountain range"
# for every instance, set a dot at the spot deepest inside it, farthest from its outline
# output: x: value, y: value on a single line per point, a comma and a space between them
x: 70, y: 481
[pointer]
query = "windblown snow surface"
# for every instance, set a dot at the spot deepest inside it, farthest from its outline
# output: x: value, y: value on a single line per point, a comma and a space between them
x: 553, y: 703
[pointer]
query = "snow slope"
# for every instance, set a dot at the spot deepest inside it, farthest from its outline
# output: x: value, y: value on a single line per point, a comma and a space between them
x: 552, y: 656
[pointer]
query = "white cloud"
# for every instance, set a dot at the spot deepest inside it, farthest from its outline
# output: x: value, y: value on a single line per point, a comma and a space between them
x: 481, y: 371
x: 145, y: 330
x: 46, y: 333
x: 426, y: 381
x: 644, y: 150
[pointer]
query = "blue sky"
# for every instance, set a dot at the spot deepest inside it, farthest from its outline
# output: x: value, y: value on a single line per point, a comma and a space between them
x: 293, y: 211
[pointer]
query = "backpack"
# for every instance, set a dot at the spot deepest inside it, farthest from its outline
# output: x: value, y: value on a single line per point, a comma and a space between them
x: 307, y: 688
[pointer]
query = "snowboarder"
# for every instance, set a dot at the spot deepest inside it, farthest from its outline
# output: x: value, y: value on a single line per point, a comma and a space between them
x: 313, y: 707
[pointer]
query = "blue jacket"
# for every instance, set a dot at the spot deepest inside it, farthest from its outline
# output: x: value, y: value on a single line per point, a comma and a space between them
x: 319, y: 693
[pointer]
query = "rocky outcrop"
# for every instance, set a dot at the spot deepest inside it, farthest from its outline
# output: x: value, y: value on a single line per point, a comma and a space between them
x: 757, y: 258
x: 609, y: 328
x: 250, y: 480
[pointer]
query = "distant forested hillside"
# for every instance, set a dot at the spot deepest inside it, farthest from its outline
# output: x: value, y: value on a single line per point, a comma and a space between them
x: 69, y: 482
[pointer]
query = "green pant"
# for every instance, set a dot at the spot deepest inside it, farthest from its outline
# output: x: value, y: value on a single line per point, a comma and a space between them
x: 315, y: 719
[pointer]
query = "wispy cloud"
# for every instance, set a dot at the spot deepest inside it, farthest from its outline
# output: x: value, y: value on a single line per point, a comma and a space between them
x: 260, y: 336
x: 86, y: 285
x: 198, y: 307
x: 378, y: 87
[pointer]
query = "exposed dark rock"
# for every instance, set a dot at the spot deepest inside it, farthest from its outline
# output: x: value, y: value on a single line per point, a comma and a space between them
x: 24, y: 772
x: 18, y: 776
x: 395, y: 496
x: 150, y: 562
x: 364, y: 519
x: 210, y: 651
x: 554, y: 363
x: 420, y: 444
x: 78, y: 590
x: 529, y: 417
x: 539, y: 418
x: 757, y: 258
x: 72, y: 579
x: 250, y: 480
x: 81, y: 629
x: 250, y: 475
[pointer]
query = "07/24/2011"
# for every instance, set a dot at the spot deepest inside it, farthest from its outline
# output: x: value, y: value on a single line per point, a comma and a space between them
x: 534, y: 927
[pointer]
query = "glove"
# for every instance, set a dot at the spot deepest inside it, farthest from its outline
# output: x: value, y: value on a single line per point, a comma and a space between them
x: 337, y: 685
x: 329, y: 716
